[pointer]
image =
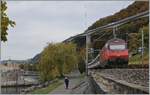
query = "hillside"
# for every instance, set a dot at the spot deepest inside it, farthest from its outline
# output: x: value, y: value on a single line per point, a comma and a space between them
x: 136, y: 7
x: 35, y: 59
x: 124, y: 31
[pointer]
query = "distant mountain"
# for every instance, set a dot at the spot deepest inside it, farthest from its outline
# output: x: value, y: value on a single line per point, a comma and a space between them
x: 15, y: 61
x: 35, y: 59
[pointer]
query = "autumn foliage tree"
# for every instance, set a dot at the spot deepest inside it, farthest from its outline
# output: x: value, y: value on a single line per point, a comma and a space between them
x: 57, y: 60
x: 5, y: 21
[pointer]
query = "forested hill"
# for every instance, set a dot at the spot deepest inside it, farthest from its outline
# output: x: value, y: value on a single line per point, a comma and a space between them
x: 136, y: 7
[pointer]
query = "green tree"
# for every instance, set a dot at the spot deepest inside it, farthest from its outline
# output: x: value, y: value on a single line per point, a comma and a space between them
x: 70, y: 53
x: 46, y: 63
x: 57, y: 60
x: 5, y: 21
x: 135, y: 39
x: 81, y: 60
x: 133, y: 42
x: 145, y: 30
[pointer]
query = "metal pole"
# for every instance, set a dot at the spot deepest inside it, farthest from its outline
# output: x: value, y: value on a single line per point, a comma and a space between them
x: 114, y: 32
x: 0, y: 51
x: 0, y: 80
x: 87, y: 54
x: 6, y: 81
x: 87, y: 43
x: 16, y: 80
x: 127, y: 37
x: 142, y: 45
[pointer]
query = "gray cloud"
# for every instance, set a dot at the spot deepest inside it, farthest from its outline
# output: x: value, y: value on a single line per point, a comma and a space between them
x: 39, y: 22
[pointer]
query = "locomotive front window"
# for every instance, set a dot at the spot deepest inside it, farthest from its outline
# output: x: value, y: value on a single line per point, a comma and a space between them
x: 117, y: 47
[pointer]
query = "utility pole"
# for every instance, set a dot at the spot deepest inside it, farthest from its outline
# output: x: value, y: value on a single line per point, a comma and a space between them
x: 87, y: 54
x: 127, y: 37
x: 88, y: 41
x: 142, y: 53
x: 0, y: 80
x: 1, y: 71
x: 114, y: 32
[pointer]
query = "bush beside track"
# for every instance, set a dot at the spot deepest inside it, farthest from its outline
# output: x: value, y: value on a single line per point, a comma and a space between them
x: 135, y: 66
x: 137, y: 59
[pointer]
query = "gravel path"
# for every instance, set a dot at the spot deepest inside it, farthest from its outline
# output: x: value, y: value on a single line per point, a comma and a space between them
x: 135, y: 76
x: 75, y: 79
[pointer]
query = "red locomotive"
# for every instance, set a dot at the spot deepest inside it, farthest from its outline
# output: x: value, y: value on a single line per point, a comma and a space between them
x: 114, y: 53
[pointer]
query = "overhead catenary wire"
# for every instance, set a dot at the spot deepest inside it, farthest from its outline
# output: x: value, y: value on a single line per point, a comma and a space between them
x: 111, y: 25
x: 144, y: 14
x: 120, y: 22
x: 102, y: 36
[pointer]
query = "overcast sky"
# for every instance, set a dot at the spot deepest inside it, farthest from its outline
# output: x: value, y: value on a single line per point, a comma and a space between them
x: 39, y: 22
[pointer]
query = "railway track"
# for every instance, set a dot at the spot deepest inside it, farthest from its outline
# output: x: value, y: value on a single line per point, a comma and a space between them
x: 121, y: 81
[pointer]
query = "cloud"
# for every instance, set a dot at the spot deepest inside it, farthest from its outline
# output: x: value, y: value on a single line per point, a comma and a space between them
x: 39, y: 22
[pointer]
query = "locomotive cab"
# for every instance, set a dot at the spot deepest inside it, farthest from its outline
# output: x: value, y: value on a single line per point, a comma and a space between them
x: 115, y: 53
x: 118, y: 52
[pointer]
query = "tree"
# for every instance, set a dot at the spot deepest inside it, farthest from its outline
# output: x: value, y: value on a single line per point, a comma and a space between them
x: 145, y: 30
x: 57, y: 59
x: 21, y: 66
x: 81, y: 62
x: 133, y: 42
x: 135, y: 39
x: 70, y: 57
x: 5, y: 22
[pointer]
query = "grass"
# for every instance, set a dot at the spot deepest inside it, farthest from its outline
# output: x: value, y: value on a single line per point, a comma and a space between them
x: 48, y: 89
x: 137, y: 59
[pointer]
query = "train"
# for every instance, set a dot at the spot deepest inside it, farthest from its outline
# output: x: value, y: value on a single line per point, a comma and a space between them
x: 113, y: 54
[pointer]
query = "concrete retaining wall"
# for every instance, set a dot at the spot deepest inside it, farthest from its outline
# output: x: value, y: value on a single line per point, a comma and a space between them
x: 103, y: 85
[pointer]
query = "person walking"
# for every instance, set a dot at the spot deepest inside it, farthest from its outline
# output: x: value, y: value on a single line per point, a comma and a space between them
x: 66, y: 82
